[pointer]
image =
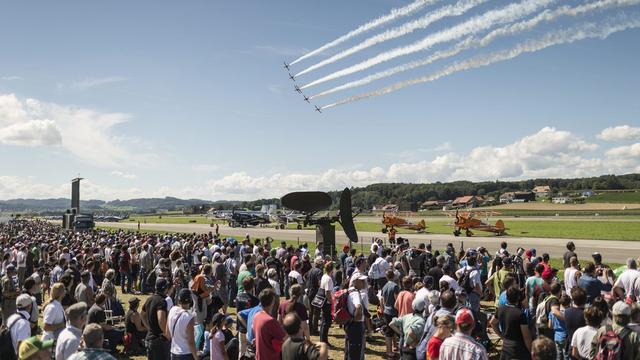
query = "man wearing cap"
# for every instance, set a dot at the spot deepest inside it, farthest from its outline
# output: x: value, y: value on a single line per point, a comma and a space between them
x: 461, y: 346
x: 92, y: 337
x: 357, y: 304
x: 410, y: 328
x: 9, y: 293
x: 154, y: 316
x: 18, y: 323
x: 69, y: 339
x: 630, y: 348
x: 180, y: 323
x: 34, y: 349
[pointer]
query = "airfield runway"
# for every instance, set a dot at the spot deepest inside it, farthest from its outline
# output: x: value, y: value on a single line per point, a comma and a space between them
x: 612, y: 251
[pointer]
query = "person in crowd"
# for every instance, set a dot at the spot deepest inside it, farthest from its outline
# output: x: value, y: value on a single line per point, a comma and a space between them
x: 390, y: 293
x: 312, y: 285
x: 630, y: 340
x: 590, y: 283
x: 297, y: 346
x: 574, y: 315
x: 218, y: 350
x: 34, y: 349
x: 443, y: 331
x: 405, y: 297
x: 97, y: 315
x: 134, y: 326
x: 410, y: 328
x: 327, y: 287
x: 222, y: 277
x: 627, y: 285
x: 357, y: 304
x: 180, y: 324
x: 54, y: 317
x: 154, y: 316
x: 29, y: 289
x: 559, y: 326
x: 571, y: 275
x: 83, y: 292
x: 511, y: 324
x: 462, y: 346
x: 93, y: 338
x: 18, y: 323
x: 582, y: 337
x: 9, y: 292
x: 269, y: 334
x: 570, y: 253
x: 69, y: 339
x: 245, y: 300
x: 543, y: 348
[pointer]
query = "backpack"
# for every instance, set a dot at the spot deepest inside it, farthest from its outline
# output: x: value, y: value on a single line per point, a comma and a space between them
x: 611, y: 345
x: 542, y: 315
x: 341, y: 315
x: 465, y: 281
x: 6, y: 342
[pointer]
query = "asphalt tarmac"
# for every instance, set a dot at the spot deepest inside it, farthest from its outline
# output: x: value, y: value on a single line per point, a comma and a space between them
x: 612, y: 251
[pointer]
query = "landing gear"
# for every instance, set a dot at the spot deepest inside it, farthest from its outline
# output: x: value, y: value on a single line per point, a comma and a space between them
x: 456, y: 232
x: 281, y: 226
x: 468, y: 233
x: 299, y: 227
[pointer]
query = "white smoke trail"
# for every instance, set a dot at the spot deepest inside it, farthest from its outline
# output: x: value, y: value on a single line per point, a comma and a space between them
x: 585, y: 31
x: 457, y: 9
x: 474, y: 25
x: 391, y: 16
x: 547, y: 15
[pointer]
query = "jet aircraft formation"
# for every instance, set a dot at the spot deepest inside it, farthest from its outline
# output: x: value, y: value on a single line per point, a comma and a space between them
x: 297, y: 88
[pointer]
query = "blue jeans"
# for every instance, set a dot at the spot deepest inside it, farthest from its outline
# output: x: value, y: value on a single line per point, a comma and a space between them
x: 354, y: 346
x: 561, y: 353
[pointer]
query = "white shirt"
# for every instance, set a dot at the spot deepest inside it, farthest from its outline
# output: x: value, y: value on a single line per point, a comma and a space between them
x: 354, y: 299
x: 21, y: 259
x: 382, y: 266
x: 326, y: 283
x: 68, y: 342
x: 274, y: 284
x: 20, y: 328
x: 423, y: 294
x: 178, y: 321
x: 217, y: 341
x: 626, y: 280
x: 169, y: 301
x: 581, y: 340
x: 53, y: 314
x: 569, y: 279
x: 474, y: 274
x: 453, y: 284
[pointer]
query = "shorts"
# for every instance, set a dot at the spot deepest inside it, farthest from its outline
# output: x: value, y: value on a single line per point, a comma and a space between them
x: 388, y: 332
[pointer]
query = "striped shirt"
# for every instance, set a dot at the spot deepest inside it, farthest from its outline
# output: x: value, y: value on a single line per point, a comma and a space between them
x: 462, y: 347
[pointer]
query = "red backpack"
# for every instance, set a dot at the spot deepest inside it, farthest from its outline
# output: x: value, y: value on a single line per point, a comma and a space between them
x: 611, y: 345
x: 341, y: 315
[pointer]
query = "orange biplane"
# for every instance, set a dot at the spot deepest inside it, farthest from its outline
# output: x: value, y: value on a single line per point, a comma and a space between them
x: 467, y: 221
x: 391, y: 220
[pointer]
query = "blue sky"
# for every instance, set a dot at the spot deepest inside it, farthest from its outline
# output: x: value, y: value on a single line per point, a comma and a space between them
x: 156, y: 98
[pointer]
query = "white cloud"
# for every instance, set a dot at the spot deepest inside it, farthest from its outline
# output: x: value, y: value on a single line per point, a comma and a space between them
x: 124, y: 175
x: 86, y: 133
x: 90, y: 83
x: 546, y: 153
x: 10, y: 78
x: 622, y: 132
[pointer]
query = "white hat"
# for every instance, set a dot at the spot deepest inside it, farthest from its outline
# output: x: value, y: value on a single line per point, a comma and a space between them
x: 23, y: 301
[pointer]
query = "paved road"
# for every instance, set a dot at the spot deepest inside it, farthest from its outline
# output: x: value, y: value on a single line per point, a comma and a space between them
x: 611, y: 250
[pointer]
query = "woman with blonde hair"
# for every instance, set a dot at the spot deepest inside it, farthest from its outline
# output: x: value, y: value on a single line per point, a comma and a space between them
x: 108, y: 288
x: 54, y: 318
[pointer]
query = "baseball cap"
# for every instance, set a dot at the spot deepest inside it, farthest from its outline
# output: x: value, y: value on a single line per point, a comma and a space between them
x: 621, y: 308
x: 464, y: 316
x: 418, y: 305
x: 23, y: 301
x: 31, y: 346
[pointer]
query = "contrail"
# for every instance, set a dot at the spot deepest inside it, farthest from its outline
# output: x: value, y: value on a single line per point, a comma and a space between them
x: 391, y: 16
x: 474, y: 25
x: 457, y: 9
x: 585, y: 31
x: 547, y: 15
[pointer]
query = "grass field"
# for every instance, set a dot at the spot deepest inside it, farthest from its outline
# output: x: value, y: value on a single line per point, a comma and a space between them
x: 172, y: 219
x: 616, y: 197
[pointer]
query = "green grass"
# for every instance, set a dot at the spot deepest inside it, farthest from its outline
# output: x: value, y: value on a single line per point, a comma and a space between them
x: 543, y: 213
x: 616, y: 197
x: 172, y: 219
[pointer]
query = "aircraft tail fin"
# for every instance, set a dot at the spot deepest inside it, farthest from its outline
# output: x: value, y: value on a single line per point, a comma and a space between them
x: 500, y: 224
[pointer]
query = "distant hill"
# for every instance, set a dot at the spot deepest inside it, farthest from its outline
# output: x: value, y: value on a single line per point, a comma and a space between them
x: 407, y: 196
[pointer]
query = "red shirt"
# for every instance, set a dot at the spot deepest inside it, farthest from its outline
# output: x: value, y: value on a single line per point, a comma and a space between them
x: 403, y: 303
x: 433, y: 348
x: 269, y: 336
